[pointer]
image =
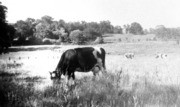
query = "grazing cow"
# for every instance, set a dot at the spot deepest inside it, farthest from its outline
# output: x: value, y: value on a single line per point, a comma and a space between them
x: 129, y: 55
x: 161, y: 55
x: 80, y: 59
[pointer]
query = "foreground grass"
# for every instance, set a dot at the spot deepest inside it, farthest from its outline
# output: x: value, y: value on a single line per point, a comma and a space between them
x: 103, y: 91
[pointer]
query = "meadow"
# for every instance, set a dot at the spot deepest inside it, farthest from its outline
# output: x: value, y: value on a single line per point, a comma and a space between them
x: 144, y: 81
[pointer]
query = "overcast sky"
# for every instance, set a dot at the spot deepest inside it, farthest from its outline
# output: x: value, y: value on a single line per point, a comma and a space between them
x: 148, y: 13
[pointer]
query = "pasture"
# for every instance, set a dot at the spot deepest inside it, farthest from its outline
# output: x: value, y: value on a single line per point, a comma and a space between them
x: 143, y: 81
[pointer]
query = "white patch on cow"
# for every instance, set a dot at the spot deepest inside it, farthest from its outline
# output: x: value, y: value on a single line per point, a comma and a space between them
x: 95, y: 54
x: 53, y: 75
x: 99, y: 60
x: 163, y: 55
x: 98, y: 49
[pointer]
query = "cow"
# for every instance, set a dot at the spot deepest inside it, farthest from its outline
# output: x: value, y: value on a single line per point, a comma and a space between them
x: 129, y: 55
x: 161, y: 55
x: 82, y: 59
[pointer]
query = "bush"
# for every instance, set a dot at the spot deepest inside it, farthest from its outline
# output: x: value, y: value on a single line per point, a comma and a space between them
x: 77, y: 37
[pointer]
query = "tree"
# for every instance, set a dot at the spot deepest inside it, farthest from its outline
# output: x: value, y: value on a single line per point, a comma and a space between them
x: 47, y: 19
x: 44, y: 28
x: 23, y: 30
x: 61, y: 23
x: 105, y: 27
x: 91, y: 34
x: 117, y: 30
x: 6, y: 31
x: 126, y: 29
x: 136, y: 28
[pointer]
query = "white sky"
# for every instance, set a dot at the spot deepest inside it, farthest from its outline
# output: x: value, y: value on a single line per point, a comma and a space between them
x: 148, y: 13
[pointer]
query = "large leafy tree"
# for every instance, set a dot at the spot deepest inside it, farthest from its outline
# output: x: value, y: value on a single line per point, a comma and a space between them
x: 44, y: 27
x: 23, y: 30
x: 6, y: 30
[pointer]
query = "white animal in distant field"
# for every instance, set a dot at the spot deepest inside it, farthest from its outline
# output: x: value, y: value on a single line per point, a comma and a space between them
x: 161, y: 55
x: 129, y: 55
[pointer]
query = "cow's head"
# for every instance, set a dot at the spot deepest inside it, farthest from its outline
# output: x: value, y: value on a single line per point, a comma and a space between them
x: 54, y: 75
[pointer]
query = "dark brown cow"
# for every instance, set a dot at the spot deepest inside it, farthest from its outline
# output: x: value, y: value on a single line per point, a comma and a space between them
x: 83, y: 59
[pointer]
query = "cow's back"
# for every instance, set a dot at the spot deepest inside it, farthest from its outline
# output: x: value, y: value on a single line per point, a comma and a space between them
x: 85, y: 57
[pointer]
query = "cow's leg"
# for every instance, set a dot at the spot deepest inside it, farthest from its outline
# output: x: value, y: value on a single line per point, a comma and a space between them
x: 73, y: 75
x: 100, y: 65
x: 71, y: 71
x: 95, y: 69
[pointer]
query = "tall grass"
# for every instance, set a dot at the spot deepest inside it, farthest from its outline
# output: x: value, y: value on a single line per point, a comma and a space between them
x: 107, y: 90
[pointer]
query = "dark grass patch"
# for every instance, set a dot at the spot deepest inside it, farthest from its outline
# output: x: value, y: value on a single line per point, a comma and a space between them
x: 7, y: 74
x: 14, y: 65
x: 13, y: 94
x: 11, y: 65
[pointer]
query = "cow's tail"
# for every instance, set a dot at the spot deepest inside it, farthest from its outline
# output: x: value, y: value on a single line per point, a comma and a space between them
x: 103, y: 53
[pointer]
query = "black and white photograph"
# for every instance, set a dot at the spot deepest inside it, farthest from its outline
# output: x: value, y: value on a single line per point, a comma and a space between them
x: 89, y: 53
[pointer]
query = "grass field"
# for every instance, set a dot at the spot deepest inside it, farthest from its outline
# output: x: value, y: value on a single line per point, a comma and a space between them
x: 144, y: 81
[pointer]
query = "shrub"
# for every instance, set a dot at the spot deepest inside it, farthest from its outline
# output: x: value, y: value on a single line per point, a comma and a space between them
x: 77, y: 37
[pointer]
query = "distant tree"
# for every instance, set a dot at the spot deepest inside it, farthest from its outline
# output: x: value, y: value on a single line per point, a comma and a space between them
x: 105, y: 27
x: 47, y: 19
x: 61, y: 23
x: 166, y: 33
x: 91, y: 34
x: 136, y: 28
x: 117, y: 30
x: 126, y: 29
x: 146, y: 31
x: 71, y: 26
x: 45, y: 27
x: 24, y: 30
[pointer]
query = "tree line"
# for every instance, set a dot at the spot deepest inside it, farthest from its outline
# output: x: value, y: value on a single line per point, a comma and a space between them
x: 46, y: 30
x: 165, y: 33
